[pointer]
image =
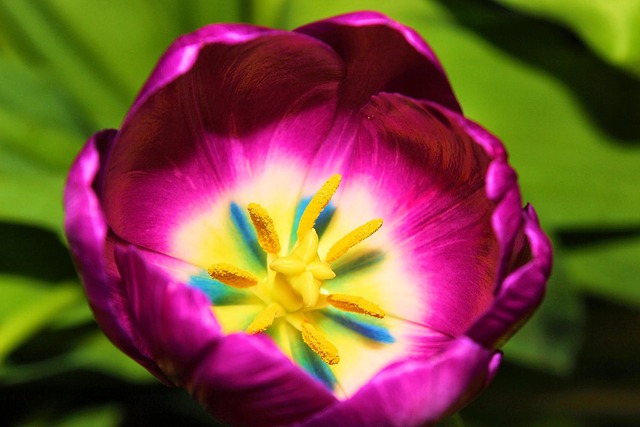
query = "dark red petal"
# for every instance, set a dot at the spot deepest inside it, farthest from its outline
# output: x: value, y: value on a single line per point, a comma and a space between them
x: 239, y: 108
x: 382, y: 55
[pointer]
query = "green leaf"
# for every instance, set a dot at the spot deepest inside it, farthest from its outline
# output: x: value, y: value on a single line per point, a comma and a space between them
x: 32, y: 95
x: 39, y: 136
x: 28, y: 306
x: 97, y: 416
x: 91, y: 353
x: 32, y: 197
x: 98, y: 354
x: 610, y: 27
x: 570, y: 164
x: 610, y: 270
x: 101, y: 52
x: 269, y: 13
x: 418, y: 13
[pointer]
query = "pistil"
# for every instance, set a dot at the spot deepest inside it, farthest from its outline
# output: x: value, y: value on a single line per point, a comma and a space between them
x: 294, y: 285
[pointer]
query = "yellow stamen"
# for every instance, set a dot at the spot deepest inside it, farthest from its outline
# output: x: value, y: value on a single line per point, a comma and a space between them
x: 317, y: 204
x: 232, y: 276
x: 319, y: 344
x: 267, y: 235
x: 355, y: 304
x: 265, y: 319
x: 353, y: 238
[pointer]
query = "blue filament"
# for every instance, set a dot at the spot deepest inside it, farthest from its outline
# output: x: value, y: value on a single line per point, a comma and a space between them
x: 361, y: 325
x: 312, y: 363
x: 361, y: 261
x: 247, y: 232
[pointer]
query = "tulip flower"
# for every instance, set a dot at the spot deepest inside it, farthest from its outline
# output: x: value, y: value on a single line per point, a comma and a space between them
x: 302, y: 228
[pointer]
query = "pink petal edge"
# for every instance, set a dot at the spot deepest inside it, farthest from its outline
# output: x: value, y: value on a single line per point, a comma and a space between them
x: 521, y: 292
x: 426, y: 390
x: 86, y: 229
x: 242, y: 379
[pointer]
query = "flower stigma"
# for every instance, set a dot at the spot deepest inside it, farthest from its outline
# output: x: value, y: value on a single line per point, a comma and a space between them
x: 293, y: 285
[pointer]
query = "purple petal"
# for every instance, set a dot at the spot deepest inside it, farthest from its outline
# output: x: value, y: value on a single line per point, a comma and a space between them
x: 87, y: 233
x: 417, y: 392
x: 382, y: 55
x: 502, y: 188
x: 239, y: 108
x: 174, y: 320
x: 245, y: 380
x: 521, y: 292
x: 427, y: 178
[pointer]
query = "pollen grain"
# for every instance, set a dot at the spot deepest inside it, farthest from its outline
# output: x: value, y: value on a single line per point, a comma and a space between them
x: 267, y: 235
x: 319, y: 344
x: 355, y: 304
x: 265, y: 319
x: 317, y: 204
x: 232, y: 276
x: 353, y: 238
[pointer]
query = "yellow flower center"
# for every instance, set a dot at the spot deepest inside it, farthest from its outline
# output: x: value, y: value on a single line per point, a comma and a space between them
x: 294, y: 282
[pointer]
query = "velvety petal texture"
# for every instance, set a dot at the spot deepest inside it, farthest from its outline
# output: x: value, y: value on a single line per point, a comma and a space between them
x: 243, y: 133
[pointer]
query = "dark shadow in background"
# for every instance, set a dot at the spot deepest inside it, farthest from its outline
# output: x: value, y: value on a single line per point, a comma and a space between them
x: 64, y: 395
x: 609, y: 95
x: 593, y: 236
x: 601, y: 392
x: 35, y: 253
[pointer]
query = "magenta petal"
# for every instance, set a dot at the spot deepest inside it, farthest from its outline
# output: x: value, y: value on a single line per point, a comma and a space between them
x: 238, y: 109
x: 416, y: 393
x: 501, y: 188
x: 521, y: 292
x: 242, y: 379
x: 382, y: 55
x: 183, y: 53
x: 247, y: 381
x: 429, y: 177
x: 174, y: 320
x: 87, y: 234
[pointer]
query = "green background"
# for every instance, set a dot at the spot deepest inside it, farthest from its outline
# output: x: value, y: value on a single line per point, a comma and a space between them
x: 557, y: 81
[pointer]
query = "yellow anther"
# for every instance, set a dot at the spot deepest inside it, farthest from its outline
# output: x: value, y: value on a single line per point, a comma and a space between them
x: 265, y: 319
x: 267, y: 235
x: 292, y: 286
x: 319, y: 344
x: 317, y: 204
x: 353, y: 238
x: 355, y: 304
x: 232, y: 276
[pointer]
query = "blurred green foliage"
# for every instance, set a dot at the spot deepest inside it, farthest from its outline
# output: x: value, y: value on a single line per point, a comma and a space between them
x: 558, y: 81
